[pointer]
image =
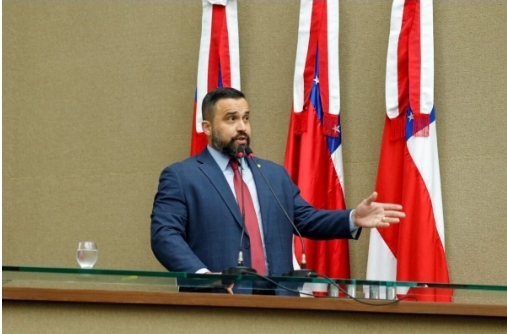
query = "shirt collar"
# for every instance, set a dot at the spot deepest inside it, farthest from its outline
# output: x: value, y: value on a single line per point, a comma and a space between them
x: 221, y: 159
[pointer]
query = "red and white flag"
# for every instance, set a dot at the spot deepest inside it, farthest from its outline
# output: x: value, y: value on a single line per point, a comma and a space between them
x: 408, y: 171
x: 313, y: 155
x: 218, y: 59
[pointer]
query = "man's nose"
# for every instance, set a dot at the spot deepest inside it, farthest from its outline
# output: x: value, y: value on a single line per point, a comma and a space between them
x: 241, y: 125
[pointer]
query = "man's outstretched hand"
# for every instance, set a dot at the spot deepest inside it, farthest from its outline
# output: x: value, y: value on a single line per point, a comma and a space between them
x: 371, y: 214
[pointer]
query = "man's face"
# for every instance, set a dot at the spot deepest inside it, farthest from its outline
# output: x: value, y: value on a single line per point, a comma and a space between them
x: 230, y: 127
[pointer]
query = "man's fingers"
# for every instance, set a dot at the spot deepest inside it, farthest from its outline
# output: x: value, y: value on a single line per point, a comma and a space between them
x: 391, y: 221
x: 391, y: 217
x: 394, y: 214
x: 387, y: 220
x: 371, y: 198
x: 391, y: 206
x: 229, y: 289
x: 373, y: 214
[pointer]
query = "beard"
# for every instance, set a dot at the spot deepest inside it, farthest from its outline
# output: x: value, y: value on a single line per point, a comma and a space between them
x: 228, y: 148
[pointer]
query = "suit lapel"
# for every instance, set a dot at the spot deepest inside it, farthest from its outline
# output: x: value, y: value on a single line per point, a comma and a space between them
x: 212, y: 171
x: 263, y: 192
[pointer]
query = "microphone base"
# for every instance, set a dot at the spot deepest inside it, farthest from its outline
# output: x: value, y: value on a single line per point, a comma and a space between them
x: 236, y: 271
x: 301, y: 273
x: 239, y: 270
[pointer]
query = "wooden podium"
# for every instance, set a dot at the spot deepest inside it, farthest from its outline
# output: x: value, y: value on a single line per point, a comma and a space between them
x: 32, y: 295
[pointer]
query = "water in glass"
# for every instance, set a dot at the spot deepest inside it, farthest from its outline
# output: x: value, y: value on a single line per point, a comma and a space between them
x: 87, y: 254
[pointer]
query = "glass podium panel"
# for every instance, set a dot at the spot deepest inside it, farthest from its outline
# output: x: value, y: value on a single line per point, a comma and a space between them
x: 369, y: 292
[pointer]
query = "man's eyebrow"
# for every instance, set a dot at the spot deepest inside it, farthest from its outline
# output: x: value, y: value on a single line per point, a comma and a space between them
x: 235, y: 112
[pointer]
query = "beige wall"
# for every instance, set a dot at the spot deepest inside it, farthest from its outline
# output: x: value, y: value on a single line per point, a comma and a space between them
x: 98, y: 96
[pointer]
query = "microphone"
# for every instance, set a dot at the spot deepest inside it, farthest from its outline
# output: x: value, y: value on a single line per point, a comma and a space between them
x: 240, y: 268
x: 303, y: 272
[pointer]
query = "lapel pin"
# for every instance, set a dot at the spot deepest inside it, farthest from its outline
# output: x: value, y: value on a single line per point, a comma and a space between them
x: 258, y: 165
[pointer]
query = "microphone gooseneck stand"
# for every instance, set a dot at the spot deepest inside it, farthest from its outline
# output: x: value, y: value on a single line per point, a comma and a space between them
x: 240, y: 268
x: 303, y: 272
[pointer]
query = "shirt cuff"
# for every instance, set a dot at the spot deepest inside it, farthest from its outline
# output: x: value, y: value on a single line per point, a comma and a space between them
x: 353, y: 228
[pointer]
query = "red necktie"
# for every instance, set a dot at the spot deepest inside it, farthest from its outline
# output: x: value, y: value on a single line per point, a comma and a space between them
x: 251, y: 222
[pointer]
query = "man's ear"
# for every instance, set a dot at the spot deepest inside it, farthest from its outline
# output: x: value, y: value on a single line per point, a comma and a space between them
x: 206, y: 127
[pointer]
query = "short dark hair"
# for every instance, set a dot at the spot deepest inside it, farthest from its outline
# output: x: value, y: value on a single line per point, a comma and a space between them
x: 211, y: 99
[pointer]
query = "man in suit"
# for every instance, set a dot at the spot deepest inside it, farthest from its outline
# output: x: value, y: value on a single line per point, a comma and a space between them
x: 196, y: 220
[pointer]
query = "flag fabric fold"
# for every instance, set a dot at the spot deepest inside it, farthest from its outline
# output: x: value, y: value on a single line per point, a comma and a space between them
x: 408, y: 171
x: 218, y: 59
x: 313, y: 154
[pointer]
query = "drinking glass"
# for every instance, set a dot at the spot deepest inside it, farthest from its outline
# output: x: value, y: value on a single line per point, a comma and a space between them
x: 87, y: 254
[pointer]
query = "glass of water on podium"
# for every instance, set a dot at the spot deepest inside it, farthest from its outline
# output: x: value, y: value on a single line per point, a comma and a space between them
x: 87, y: 254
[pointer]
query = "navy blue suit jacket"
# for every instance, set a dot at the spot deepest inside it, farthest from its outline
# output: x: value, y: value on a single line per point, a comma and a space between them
x: 196, y: 222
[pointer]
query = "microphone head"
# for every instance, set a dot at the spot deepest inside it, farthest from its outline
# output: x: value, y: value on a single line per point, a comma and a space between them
x: 248, y: 152
x: 240, y: 151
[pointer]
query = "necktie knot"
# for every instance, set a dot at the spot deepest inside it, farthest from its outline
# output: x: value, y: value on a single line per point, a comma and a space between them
x: 234, y: 164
